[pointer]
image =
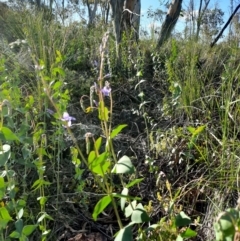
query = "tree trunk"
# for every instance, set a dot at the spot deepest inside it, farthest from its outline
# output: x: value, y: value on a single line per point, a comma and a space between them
x: 125, y: 15
x: 201, y: 13
x: 117, y: 8
x: 170, y: 21
x: 91, y: 11
x: 131, y: 16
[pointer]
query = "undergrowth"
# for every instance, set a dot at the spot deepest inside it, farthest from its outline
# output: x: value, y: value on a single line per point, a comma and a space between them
x: 143, y: 150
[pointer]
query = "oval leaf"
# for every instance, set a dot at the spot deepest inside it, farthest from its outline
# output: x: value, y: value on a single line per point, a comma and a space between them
x: 189, y: 233
x: 20, y: 213
x: 124, y: 234
x: 15, y: 234
x: 139, y: 214
x: 8, y: 134
x: 4, y: 214
x: 100, y: 206
x: 28, y: 229
x: 19, y: 225
x: 117, y: 130
x: 98, y: 143
x: 129, y: 209
x: 124, y: 165
x: 5, y: 154
x: 100, y: 164
x: 182, y: 220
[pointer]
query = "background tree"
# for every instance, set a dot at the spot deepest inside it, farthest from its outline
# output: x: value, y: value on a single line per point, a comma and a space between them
x: 170, y: 21
x: 236, y: 28
x: 131, y: 16
x: 91, y: 10
x: 201, y: 12
x: 211, y: 22
x: 125, y: 15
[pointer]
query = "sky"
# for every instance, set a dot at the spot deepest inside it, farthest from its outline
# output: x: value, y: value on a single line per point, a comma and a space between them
x: 154, y: 4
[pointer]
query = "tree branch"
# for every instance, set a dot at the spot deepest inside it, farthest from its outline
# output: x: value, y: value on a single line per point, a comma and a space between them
x: 224, y: 27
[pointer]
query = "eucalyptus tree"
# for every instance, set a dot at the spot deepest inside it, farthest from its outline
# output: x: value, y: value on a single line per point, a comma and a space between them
x: 170, y: 21
x: 211, y: 22
x: 125, y: 16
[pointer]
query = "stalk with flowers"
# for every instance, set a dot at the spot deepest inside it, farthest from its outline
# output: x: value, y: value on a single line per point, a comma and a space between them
x: 102, y: 165
x: 106, y: 164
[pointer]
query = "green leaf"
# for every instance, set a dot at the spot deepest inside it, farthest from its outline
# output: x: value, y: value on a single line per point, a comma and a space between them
x: 41, y: 151
x: 182, y: 220
x: 59, y: 56
x: 117, y: 130
x: 2, y: 183
x: 179, y: 238
x: 100, y: 206
x: 129, y: 209
x: 4, y: 214
x: 124, y: 165
x: 43, y: 200
x: 3, y: 223
x: 43, y: 216
x: 100, y: 165
x: 2, y: 188
x: 188, y: 233
x: 21, y: 203
x: 19, y: 225
x: 57, y: 85
x: 98, y: 143
x: 134, y: 182
x: 8, y: 134
x: 28, y: 229
x: 40, y: 182
x: 15, y: 234
x: 20, y: 213
x: 198, y: 130
x: 226, y: 223
x: 139, y: 214
x: 125, y: 234
x: 5, y: 154
x: 191, y: 129
x: 4, y: 218
x: 91, y: 156
x: 123, y: 199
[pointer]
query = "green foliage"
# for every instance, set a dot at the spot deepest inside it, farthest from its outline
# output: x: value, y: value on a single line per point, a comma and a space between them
x: 174, y: 226
x: 186, y: 96
x: 227, y: 225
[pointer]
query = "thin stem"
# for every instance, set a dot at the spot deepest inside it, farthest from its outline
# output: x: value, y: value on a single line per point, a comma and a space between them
x: 116, y: 212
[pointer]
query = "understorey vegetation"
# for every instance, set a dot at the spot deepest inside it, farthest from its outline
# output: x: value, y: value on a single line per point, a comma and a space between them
x: 107, y: 138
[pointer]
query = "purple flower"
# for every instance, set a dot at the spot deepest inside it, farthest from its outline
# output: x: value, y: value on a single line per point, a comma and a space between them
x: 68, y: 118
x: 106, y: 89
